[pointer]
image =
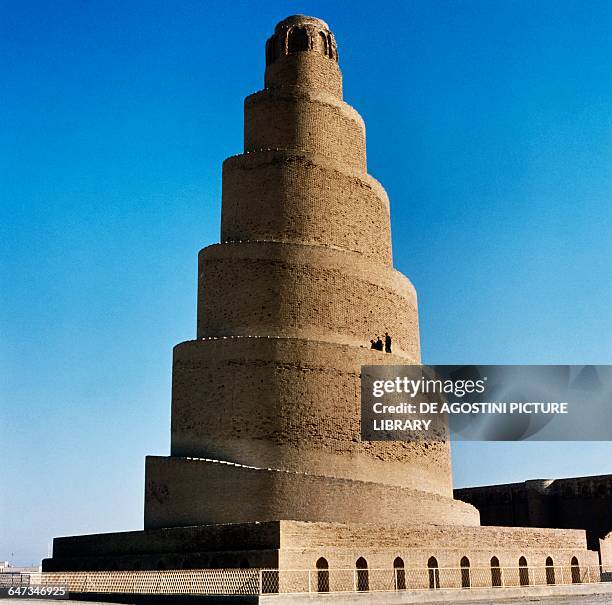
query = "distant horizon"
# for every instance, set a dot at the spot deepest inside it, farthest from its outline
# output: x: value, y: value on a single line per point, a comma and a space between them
x: 488, y: 125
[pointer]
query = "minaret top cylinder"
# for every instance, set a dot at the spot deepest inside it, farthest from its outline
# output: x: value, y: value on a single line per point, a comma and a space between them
x: 302, y: 53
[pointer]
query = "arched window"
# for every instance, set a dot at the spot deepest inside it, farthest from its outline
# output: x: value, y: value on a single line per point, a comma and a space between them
x: 523, y: 572
x: 434, y: 572
x: 575, y: 571
x: 331, y: 50
x: 550, y: 571
x: 322, y: 575
x: 298, y: 40
x: 363, y: 577
x: 465, y: 572
x: 400, y: 573
x: 323, y: 41
x: 496, y: 579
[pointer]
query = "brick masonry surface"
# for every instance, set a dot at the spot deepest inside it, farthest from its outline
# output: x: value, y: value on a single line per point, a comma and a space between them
x: 267, y: 468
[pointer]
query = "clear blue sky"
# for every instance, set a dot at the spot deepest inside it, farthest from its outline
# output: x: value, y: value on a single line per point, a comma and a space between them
x: 489, y: 124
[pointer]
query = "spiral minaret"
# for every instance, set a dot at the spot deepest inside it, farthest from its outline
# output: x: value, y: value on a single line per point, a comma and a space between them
x: 287, y: 305
x: 267, y: 469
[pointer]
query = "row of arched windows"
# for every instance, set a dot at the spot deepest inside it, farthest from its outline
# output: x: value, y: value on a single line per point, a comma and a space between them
x: 363, y: 578
x: 300, y: 39
x: 496, y: 572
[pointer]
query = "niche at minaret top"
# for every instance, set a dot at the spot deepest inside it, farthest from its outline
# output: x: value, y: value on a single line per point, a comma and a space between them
x: 303, y: 52
x: 300, y: 33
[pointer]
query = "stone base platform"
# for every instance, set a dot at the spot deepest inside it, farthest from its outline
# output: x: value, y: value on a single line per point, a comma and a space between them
x: 299, y: 544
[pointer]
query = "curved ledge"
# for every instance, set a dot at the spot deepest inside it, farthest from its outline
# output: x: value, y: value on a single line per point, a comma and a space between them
x: 302, y: 93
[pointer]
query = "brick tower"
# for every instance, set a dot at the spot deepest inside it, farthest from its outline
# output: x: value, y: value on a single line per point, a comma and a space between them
x: 288, y: 303
x: 267, y: 468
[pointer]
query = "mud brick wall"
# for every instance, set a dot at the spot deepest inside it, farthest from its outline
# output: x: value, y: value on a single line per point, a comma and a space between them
x: 579, y: 503
x: 291, y: 404
x: 341, y: 545
x: 298, y: 197
x: 187, y: 491
x: 275, y: 289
